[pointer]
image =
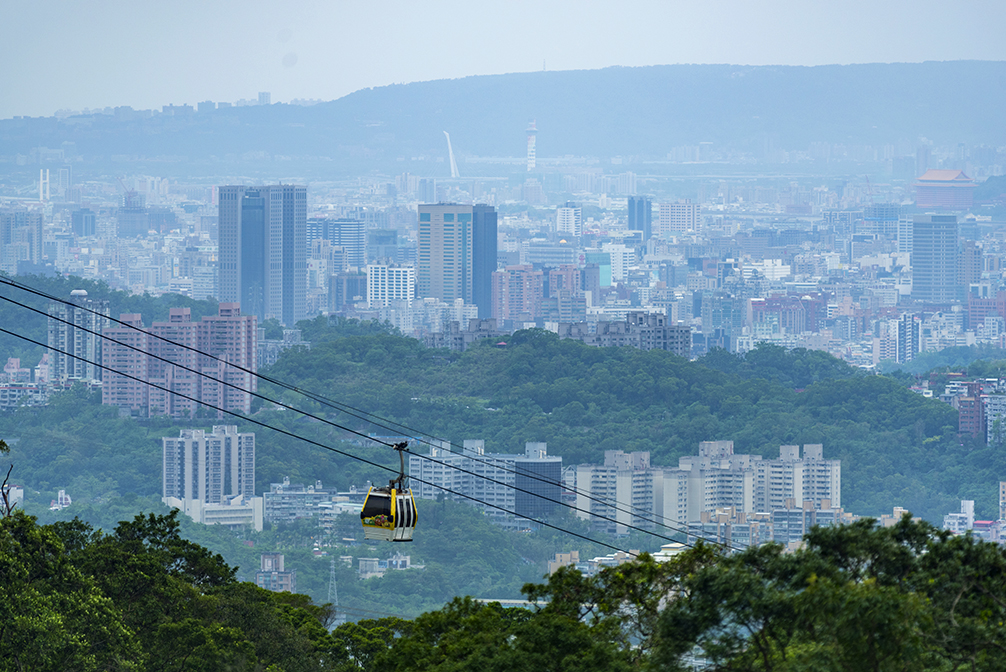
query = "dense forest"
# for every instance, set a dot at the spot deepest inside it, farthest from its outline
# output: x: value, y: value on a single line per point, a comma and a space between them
x: 856, y: 597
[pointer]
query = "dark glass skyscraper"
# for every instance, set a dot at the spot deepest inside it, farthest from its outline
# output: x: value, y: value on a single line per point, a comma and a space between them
x: 641, y: 216
x: 484, y: 228
x: 263, y: 250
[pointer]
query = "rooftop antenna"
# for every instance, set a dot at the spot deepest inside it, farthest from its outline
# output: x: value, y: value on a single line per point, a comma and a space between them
x: 450, y: 153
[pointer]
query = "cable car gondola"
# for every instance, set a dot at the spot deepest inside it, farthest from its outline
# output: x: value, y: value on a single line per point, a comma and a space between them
x: 389, y: 514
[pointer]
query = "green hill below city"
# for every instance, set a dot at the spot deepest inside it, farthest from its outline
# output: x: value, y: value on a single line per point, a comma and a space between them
x: 896, y: 447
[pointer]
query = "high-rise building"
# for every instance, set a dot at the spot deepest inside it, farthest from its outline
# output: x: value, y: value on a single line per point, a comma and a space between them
x: 386, y: 284
x: 529, y: 485
x: 569, y: 220
x: 457, y: 253
x: 717, y: 478
x: 263, y: 250
x: 971, y: 265
x: 345, y: 289
x: 180, y: 378
x: 211, y: 467
x: 908, y: 343
x: 445, y: 252
x: 623, y: 491
x: 532, y: 139
x: 20, y: 238
x: 426, y: 190
x: 517, y: 293
x: 84, y: 222
x: 678, y: 218
x: 935, y: 258
x: 484, y: 264
x: 349, y: 234
x: 133, y: 216
x: 641, y: 216
x: 75, y: 343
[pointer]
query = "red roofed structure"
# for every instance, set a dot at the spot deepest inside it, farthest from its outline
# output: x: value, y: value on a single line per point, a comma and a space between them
x: 947, y: 189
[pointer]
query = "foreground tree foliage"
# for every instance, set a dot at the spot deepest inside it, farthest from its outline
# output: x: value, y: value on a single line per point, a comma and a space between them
x: 142, y: 598
x: 854, y: 598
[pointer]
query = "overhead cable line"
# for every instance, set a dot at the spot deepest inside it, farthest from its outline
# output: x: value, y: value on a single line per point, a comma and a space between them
x: 370, y: 418
x: 315, y: 417
x: 311, y: 441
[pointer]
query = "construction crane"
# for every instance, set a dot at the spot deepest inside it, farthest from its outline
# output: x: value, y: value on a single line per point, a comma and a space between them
x: 127, y: 201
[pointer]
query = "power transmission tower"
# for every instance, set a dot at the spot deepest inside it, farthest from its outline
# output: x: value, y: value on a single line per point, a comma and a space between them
x: 333, y: 595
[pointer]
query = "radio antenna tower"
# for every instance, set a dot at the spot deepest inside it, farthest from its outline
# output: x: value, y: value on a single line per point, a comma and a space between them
x: 450, y: 154
x: 532, y: 133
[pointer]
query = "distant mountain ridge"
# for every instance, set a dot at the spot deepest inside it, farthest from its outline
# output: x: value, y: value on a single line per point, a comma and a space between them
x: 641, y: 111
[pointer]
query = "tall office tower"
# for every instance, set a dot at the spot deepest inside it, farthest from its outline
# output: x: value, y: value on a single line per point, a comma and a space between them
x: 70, y: 337
x: 970, y: 267
x: 64, y: 182
x: 20, y: 238
x: 84, y: 222
x: 345, y: 289
x: 484, y: 264
x: 263, y: 250
x: 132, y: 215
x: 935, y: 258
x: 678, y: 217
x: 389, y: 283
x: 908, y: 343
x: 641, y: 216
x: 351, y: 235
x: 457, y: 253
x: 264, y: 98
x: 532, y: 138
x: 210, y: 467
x: 904, y: 234
x: 426, y: 190
x: 569, y: 220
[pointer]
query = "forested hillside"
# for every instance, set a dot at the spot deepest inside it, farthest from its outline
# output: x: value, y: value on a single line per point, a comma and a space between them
x: 856, y: 597
x: 896, y: 447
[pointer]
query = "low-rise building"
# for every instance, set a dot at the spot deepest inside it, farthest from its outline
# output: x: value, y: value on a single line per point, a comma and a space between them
x: 273, y: 576
x: 285, y: 503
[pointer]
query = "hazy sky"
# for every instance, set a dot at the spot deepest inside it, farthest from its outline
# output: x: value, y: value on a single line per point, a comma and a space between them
x: 74, y: 54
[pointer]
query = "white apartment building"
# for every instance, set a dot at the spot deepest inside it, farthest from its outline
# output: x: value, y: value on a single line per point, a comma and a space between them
x: 718, y: 478
x: 677, y: 218
x: 622, y: 258
x: 529, y: 485
x: 569, y: 220
x: 386, y: 284
x: 212, y: 467
x: 625, y: 490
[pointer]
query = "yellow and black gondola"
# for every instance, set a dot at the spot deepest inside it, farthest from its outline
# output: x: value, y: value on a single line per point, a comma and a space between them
x: 389, y: 513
